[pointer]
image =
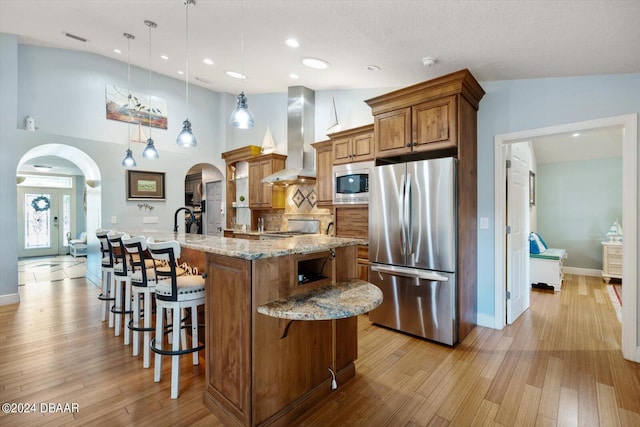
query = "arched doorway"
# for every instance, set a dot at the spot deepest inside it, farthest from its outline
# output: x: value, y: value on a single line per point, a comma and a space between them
x: 203, y: 195
x: 91, y: 195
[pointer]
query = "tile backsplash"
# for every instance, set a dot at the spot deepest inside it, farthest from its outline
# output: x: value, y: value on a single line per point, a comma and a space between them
x: 300, y: 203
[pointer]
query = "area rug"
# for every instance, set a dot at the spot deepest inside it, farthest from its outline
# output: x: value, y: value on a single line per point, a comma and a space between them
x: 616, y: 301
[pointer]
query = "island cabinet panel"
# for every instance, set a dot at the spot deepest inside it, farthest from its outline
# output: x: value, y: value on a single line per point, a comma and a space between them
x: 263, y: 370
x: 228, y: 329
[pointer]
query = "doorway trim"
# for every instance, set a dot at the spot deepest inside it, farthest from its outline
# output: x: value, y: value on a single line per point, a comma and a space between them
x: 629, y: 123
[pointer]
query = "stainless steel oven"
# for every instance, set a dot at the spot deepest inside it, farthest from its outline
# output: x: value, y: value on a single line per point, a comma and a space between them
x: 351, y: 183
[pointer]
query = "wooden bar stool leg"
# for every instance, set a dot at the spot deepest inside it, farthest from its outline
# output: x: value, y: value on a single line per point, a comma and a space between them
x: 194, y: 332
x: 136, y: 321
x: 157, y: 368
x: 117, y: 304
x: 175, y: 360
x: 147, y: 333
x: 127, y: 311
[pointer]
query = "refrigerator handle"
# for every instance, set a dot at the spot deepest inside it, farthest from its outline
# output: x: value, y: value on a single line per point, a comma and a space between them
x: 407, y: 214
x: 410, y: 272
x: 402, y: 213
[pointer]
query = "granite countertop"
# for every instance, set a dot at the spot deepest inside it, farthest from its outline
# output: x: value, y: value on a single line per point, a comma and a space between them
x: 345, y: 299
x: 249, y: 249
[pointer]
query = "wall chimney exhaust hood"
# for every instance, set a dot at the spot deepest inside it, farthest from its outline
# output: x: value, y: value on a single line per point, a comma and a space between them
x: 300, y: 132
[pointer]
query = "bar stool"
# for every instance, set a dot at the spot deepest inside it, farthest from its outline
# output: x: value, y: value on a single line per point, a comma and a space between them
x: 121, y: 283
x: 107, y: 275
x: 143, y: 288
x: 175, y: 293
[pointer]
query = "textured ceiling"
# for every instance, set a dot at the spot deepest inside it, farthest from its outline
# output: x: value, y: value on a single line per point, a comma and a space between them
x: 496, y: 40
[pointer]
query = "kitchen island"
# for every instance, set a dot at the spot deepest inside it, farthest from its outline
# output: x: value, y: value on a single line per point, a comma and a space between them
x: 270, y: 369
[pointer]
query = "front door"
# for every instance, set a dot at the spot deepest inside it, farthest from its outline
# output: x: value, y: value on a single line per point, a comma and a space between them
x: 44, y: 218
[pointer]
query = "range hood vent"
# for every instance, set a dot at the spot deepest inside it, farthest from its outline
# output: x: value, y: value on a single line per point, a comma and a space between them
x: 300, y: 132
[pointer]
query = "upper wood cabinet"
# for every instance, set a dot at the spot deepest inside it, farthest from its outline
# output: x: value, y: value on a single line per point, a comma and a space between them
x: 353, y: 145
x: 428, y: 116
x: 232, y: 158
x: 324, y: 173
x: 265, y: 196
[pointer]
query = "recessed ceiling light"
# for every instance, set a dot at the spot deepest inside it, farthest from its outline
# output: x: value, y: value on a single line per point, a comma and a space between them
x: 294, y: 76
x: 315, y: 63
x: 235, y: 75
x: 165, y: 57
x: 575, y: 134
x: 42, y: 168
x: 180, y: 72
x: 292, y: 42
x: 208, y: 61
x: 117, y: 50
x: 372, y: 68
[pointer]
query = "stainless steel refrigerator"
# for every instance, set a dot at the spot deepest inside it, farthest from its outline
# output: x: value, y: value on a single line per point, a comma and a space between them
x: 412, y: 247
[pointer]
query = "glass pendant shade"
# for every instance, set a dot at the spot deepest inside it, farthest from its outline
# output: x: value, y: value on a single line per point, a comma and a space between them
x: 186, y: 138
x: 129, y: 161
x: 150, y: 151
x: 242, y: 118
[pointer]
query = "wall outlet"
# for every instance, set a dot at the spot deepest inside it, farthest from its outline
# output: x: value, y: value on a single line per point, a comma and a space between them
x: 150, y: 220
x: 484, y: 222
x: 114, y: 220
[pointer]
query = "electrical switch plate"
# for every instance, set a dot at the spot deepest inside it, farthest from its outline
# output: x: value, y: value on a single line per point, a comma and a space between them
x: 114, y: 220
x: 484, y: 222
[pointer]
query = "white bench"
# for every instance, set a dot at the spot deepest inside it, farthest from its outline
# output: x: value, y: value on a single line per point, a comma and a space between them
x: 546, y: 268
x: 78, y: 247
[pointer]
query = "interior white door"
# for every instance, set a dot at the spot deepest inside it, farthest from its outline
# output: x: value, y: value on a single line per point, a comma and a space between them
x: 44, y: 219
x: 213, y: 211
x: 517, y: 238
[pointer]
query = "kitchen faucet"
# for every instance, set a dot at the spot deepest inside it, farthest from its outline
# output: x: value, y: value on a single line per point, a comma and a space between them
x: 328, y: 228
x: 175, y: 217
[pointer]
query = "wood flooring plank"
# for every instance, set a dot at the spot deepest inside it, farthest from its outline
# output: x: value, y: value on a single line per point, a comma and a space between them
x: 559, y: 364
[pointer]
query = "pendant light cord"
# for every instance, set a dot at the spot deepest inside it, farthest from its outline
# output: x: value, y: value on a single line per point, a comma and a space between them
x: 242, y: 44
x: 129, y: 37
x: 186, y: 51
x: 149, y: 24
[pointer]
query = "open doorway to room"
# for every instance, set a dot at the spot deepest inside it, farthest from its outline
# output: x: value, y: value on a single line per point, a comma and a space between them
x: 59, y: 198
x: 628, y: 126
x: 203, y: 196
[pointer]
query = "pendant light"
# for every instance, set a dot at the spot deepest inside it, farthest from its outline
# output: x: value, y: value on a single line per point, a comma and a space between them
x: 150, y: 151
x: 186, y: 138
x: 242, y: 117
x: 129, y: 161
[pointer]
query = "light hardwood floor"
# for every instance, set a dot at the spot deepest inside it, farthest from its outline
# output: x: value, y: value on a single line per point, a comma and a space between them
x: 559, y: 364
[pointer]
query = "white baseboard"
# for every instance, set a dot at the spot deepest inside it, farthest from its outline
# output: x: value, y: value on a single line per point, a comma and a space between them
x: 582, y: 271
x: 9, y: 299
x: 487, y: 321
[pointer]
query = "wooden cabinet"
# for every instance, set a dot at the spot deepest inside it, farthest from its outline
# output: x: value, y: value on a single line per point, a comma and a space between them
x: 438, y: 118
x: 426, y: 126
x: 254, y: 374
x: 324, y: 173
x: 353, y: 221
x: 353, y: 145
x: 232, y: 158
x: 430, y: 116
x: 611, y: 260
x: 265, y: 196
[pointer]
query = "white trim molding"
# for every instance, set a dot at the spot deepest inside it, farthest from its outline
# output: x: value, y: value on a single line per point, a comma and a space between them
x: 9, y: 299
x: 582, y: 271
x: 629, y: 122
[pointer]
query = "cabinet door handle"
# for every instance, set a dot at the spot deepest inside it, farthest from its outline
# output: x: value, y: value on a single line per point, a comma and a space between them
x: 409, y: 144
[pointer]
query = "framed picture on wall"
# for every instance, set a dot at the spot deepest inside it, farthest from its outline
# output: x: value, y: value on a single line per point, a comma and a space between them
x: 532, y: 188
x: 143, y: 185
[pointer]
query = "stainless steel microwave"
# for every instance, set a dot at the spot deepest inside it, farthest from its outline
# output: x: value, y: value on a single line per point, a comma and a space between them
x: 351, y: 183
